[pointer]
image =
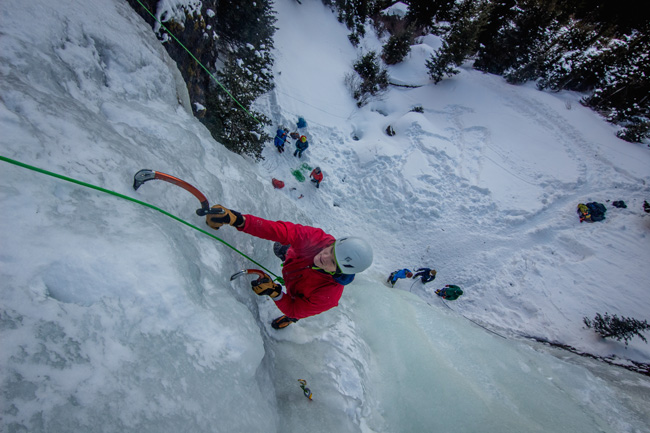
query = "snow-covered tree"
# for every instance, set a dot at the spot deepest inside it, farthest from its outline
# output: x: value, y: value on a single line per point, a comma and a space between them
x: 623, y: 88
x: 233, y: 40
x: 569, y: 55
x: 354, y: 14
x: 423, y: 13
x: 397, y: 47
x: 459, y: 43
x: 623, y: 328
x: 616, y: 72
x: 575, y: 46
x: 229, y: 116
x: 246, y: 32
x: 517, y: 48
x: 371, y: 79
x: 245, y: 21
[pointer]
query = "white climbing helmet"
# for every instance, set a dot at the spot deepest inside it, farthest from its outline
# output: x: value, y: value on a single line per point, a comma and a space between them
x: 352, y: 254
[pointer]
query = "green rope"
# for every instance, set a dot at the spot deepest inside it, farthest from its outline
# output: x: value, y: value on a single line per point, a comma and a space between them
x: 126, y: 197
x: 197, y: 61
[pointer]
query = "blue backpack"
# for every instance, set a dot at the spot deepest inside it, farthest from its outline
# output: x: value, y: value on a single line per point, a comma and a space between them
x: 597, y: 211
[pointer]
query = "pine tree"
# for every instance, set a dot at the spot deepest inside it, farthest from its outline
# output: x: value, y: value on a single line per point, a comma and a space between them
x: 355, y: 13
x: 624, y: 328
x: 623, y: 88
x: 610, y: 16
x: 593, y: 47
x: 523, y: 38
x: 459, y: 43
x: 568, y: 60
x: 494, y: 54
x: 237, y: 40
x: 423, y: 13
x: 246, y: 31
x: 370, y: 78
x: 397, y: 47
x: 245, y: 21
x: 232, y: 122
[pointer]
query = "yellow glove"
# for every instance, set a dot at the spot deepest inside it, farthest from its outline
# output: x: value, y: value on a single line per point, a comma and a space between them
x: 226, y: 216
x: 264, y: 286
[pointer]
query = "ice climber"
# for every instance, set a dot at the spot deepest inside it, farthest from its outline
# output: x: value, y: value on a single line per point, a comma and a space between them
x: 402, y: 273
x: 301, y: 145
x: 280, y: 139
x: 316, y: 265
x: 316, y: 176
x: 427, y: 275
x: 449, y: 292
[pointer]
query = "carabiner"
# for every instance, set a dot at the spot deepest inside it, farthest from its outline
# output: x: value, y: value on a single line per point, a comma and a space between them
x: 305, y: 390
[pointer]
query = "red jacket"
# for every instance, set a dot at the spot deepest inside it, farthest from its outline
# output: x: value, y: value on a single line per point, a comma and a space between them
x: 317, y: 176
x: 309, y: 291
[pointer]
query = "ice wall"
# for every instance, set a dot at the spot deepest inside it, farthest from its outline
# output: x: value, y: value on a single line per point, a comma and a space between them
x: 116, y: 318
x: 391, y: 362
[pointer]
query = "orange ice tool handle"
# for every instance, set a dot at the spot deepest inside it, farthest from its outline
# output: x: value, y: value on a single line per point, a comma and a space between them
x: 247, y: 271
x: 146, y: 175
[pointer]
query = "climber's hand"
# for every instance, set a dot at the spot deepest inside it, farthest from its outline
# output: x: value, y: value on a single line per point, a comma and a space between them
x: 226, y: 216
x: 264, y: 286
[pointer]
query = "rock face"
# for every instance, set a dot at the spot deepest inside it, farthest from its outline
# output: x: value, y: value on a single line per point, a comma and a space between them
x: 194, y: 29
x: 230, y: 41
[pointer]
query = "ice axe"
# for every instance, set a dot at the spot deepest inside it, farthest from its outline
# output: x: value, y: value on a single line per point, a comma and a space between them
x: 248, y: 271
x: 254, y: 271
x: 146, y: 175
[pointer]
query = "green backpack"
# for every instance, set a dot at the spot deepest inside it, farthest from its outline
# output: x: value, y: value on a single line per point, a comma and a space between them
x: 451, y: 292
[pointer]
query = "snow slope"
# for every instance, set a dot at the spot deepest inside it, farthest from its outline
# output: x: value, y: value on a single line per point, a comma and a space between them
x: 483, y: 186
x: 115, y: 317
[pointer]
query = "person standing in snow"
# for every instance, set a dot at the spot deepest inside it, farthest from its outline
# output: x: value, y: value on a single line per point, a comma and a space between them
x: 402, y: 273
x: 301, y: 145
x: 280, y: 139
x: 450, y: 292
x: 427, y: 275
x: 316, y: 265
x: 316, y: 176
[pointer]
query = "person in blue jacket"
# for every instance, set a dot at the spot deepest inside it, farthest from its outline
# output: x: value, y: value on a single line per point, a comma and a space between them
x: 427, y: 274
x: 280, y: 139
x: 402, y: 273
x: 301, y: 145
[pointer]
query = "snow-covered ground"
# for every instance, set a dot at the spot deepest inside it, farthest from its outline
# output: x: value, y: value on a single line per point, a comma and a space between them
x: 482, y: 186
x: 115, y: 317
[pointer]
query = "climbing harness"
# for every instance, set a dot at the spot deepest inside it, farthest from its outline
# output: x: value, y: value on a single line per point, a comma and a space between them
x: 305, y: 390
